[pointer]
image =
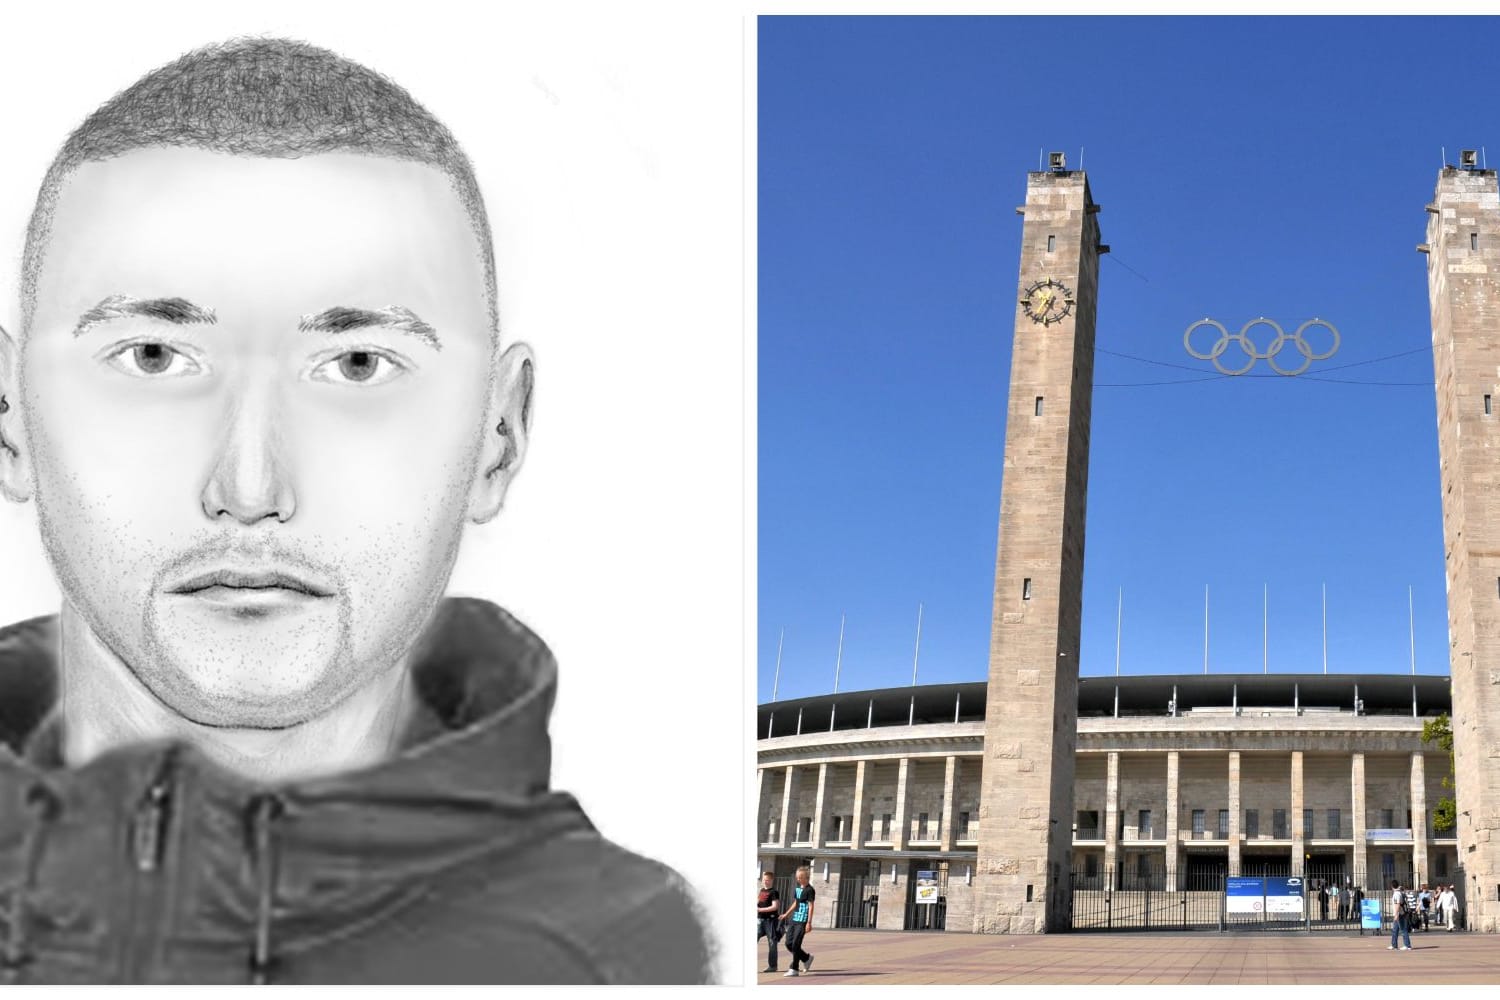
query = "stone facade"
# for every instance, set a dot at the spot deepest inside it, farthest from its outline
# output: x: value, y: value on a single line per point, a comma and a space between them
x: 1150, y: 794
x: 1463, y: 280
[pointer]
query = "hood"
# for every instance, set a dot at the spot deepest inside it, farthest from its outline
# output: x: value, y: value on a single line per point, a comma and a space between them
x: 276, y: 870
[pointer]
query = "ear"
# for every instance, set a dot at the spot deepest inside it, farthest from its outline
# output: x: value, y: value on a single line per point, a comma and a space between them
x: 15, y: 470
x: 506, y: 431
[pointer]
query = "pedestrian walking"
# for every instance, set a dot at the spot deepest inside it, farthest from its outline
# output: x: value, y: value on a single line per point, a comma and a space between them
x: 766, y: 911
x: 1448, y: 904
x: 801, y: 912
x: 1399, y: 918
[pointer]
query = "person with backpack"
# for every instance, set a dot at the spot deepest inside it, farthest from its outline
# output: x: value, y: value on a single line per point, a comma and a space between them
x: 1399, y: 918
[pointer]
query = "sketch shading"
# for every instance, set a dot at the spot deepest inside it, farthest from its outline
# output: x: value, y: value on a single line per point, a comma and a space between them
x: 257, y: 393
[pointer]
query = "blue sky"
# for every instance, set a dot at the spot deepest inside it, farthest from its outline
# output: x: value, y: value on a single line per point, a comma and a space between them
x: 1245, y: 167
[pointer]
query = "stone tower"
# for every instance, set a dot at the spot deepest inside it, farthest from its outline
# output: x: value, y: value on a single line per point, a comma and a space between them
x: 1031, y: 728
x: 1463, y: 286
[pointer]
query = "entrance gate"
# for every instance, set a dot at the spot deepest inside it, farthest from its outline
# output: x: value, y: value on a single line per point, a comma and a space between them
x: 858, y: 900
x: 1142, y: 901
x: 927, y: 916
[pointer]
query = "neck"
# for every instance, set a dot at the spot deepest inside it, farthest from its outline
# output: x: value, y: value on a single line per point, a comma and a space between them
x: 104, y: 707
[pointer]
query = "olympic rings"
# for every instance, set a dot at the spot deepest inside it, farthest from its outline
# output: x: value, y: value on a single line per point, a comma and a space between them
x: 1254, y: 354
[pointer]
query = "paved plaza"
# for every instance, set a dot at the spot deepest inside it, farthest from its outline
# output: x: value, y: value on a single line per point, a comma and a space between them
x: 890, y: 957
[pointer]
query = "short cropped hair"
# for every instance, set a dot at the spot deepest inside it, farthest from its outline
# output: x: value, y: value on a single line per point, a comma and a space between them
x: 804, y: 868
x: 270, y: 97
x: 767, y: 874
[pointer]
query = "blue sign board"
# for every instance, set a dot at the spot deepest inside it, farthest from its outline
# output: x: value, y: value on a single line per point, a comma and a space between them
x: 1284, y: 896
x: 1280, y: 896
x: 1369, y: 914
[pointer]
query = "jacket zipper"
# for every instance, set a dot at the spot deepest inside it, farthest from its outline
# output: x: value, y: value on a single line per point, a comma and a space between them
x: 148, y: 839
x: 151, y: 826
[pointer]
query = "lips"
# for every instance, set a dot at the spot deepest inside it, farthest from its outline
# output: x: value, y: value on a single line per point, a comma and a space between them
x: 250, y: 582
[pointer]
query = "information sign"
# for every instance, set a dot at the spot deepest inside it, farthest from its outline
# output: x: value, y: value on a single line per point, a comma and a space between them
x: 927, y: 887
x: 1245, y: 895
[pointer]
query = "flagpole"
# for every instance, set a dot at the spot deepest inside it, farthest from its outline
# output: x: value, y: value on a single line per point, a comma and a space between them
x: 775, y: 684
x: 1325, y: 628
x: 1119, y: 612
x: 917, y: 652
x: 1412, y: 624
x: 839, y: 663
x: 1265, y: 628
x: 1205, y: 628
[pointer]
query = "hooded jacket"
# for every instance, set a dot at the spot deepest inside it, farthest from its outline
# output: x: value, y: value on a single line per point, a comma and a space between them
x: 451, y: 862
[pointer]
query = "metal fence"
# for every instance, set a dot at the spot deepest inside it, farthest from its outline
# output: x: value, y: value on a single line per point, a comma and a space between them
x: 1203, y: 896
x: 858, y: 902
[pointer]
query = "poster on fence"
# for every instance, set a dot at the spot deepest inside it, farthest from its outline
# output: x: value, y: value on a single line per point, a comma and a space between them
x: 1284, y: 897
x: 927, y: 887
x: 1245, y: 895
x: 1278, y: 898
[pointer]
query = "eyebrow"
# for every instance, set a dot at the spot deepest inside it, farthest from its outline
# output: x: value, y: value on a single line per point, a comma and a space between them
x: 169, y: 310
x: 341, y: 319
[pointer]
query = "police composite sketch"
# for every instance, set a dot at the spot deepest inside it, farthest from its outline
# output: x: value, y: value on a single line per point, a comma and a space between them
x: 347, y: 380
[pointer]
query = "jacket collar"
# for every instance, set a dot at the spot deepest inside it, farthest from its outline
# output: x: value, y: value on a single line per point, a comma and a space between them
x: 470, y: 778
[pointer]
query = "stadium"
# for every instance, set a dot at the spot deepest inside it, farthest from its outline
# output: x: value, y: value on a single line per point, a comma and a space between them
x: 1179, y: 782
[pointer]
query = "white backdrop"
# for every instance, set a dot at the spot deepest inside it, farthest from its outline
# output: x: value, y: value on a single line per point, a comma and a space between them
x: 609, y: 149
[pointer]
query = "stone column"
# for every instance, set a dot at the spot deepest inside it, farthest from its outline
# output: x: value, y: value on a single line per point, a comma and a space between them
x: 1173, y: 848
x: 950, y: 792
x: 1299, y: 846
x: 1463, y: 283
x: 857, y: 835
x: 762, y: 807
x: 1031, y: 718
x: 788, y: 796
x: 1234, y: 812
x: 1112, y: 821
x: 817, y: 823
x: 1361, y: 847
x: 1419, y: 818
x: 898, y: 841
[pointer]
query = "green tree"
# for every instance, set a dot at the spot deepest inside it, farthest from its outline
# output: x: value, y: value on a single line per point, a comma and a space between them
x: 1440, y: 731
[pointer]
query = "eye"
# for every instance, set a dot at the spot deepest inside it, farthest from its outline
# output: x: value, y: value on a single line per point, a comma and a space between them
x: 152, y: 359
x: 361, y: 367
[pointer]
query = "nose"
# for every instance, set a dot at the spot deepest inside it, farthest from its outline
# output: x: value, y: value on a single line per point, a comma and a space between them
x: 250, y: 480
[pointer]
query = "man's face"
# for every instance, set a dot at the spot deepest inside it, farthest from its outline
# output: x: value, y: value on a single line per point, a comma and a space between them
x: 765, y: 881
x: 254, y: 394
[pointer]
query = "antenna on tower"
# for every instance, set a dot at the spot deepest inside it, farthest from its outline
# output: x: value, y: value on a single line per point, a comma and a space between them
x: 1444, y: 155
x: 1080, y: 157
